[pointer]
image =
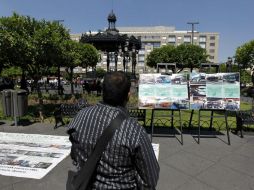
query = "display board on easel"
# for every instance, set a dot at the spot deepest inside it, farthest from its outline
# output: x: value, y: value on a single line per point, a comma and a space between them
x: 201, y: 91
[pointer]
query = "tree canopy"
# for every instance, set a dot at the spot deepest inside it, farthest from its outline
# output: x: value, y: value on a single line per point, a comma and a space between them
x: 37, y: 46
x: 184, y: 55
x: 245, y: 55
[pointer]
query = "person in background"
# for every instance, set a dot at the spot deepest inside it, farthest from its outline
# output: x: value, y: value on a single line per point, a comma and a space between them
x: 129, y: 161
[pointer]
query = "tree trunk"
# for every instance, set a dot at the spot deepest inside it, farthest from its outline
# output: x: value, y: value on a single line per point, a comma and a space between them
x: 71, y: 77
x: 59, y: 81
x: 23, y: 84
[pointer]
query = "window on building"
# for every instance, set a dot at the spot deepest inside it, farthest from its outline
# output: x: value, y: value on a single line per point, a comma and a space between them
x: 212, y: 37
x: 143, y: 45
x: 211, y: 57
x: 202, y: 39
x: 171, y: 39
x: 155, y: 37
x: 141, y: 58
x: 187, y: 39
x: 141, y: 52
x: 212, y: 44
x: 202, y: 45
x: 156, y: 44
x: 141, y: 63
x: 163, y: 37
x: 211, y: 50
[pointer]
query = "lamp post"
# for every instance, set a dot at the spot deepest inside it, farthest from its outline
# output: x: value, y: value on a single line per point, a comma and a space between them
x: 134, y: 61
x: 192, y: 30
x: 116, y: 59
x: 229, y: 65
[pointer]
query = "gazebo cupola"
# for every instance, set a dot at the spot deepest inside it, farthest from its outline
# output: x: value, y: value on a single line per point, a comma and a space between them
x: 114, y: 44
x: 112, y: 21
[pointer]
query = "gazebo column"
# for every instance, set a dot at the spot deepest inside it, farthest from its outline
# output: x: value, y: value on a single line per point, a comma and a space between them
x: 116, y: 60
x: 134, y: 61
x: 108, y: 61
x: 124, y: 63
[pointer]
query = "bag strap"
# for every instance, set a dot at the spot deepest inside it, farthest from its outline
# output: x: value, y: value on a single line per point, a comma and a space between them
x: 85, y: 174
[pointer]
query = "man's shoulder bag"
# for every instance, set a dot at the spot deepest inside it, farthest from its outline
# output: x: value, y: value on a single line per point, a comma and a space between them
x: 81, y: 180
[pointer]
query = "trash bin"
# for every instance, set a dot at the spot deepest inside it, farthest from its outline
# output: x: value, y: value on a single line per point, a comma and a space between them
x: 19, y: 102
x: 6, y: 102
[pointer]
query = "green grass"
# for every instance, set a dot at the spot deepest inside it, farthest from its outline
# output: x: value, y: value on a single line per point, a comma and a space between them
x: 54, y: 101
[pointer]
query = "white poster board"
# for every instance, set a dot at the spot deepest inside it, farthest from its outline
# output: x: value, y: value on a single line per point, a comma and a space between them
x: 215, y: 91
x: 31, y: 155
x: 163, y: 91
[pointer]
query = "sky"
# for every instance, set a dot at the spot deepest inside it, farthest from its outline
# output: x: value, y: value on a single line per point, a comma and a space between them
x: 232, y: 19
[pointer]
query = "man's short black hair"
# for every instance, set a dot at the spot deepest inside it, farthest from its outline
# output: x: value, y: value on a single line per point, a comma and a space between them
x: 116, y: 86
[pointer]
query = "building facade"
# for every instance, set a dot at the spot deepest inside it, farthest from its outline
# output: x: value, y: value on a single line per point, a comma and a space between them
x: 157, y: 36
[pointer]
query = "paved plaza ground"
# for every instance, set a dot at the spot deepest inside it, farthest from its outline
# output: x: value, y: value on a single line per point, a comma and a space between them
x: 210, y: 165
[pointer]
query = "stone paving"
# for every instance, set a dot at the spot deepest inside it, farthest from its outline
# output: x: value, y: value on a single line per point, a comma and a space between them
x: 210, y: 165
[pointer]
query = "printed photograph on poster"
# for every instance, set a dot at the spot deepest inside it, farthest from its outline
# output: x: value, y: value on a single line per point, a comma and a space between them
x: 216, y: 91
x: 197, y: 78
x: 147, y: 79
x: 162, y: 79
x: 197, y: 102
x: 31, y: 155
x: 214, y: 103
x: 232, y: 104
x: 163, y: 91
x: 177, y: 79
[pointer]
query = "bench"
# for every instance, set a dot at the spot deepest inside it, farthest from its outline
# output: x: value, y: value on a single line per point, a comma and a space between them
x: 68, y: 110
x: 243, y: 118
x: 138, y: 114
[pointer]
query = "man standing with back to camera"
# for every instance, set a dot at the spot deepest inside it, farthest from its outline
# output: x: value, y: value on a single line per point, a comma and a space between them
x: 129, y: 161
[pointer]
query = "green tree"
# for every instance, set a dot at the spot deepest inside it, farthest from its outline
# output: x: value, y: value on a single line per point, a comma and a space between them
x: 11, y: 72
x: 190, y: 56
x: 34, y: 46
x: 100, y: 72
x: 89, y: 55
x: 164, y: 54
x: 245, y: 55
x: 72, y: 59
x: 16, y: 44
x: 184, y: 55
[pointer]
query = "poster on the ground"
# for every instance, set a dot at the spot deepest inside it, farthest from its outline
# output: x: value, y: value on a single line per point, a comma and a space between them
x: 156, y: 149
x: 215, y: 91
x: 163, y: 91
x: 31, y: 155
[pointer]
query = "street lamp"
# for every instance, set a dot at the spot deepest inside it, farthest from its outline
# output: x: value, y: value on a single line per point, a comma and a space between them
x: 192, y: 30
x: 229, y: 64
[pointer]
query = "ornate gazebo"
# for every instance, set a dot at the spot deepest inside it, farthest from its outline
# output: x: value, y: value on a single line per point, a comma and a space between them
x: 114, y: 44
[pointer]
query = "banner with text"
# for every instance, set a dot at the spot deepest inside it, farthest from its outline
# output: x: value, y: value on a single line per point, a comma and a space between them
x: 31, y: 155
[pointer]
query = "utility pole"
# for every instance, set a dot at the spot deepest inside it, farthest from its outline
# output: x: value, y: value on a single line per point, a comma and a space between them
x: 192, y: 30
